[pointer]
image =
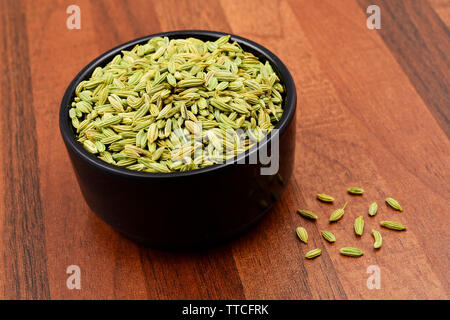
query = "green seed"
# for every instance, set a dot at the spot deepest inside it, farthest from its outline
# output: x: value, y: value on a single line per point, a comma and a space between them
x: 263, y: 204
x: 190, y: 83
x: 359, y: 225
x: 355, y: 190
x: 337, y: 214
x: 393, y: 225
x: 90, y: 146
x: 307, y: 214
x: 351, y: 252
x: 394, y: 204
x: 324, y: 197
x: 280, y: 178
x: 302, y: 234
x: 313, y: 253
x: 373, y: 208
x: 378, y: 239
x: 327, y: 235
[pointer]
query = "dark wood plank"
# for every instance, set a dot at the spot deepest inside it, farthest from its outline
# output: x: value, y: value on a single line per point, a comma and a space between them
x: 191, y: 14
x: 195, y: 275
x: 420, y: 42
x: 140, y: 16
x: 442, y: 8
x: 24, y: 269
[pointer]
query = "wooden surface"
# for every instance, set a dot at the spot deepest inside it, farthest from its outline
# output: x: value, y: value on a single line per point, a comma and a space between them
x: 373, y: 112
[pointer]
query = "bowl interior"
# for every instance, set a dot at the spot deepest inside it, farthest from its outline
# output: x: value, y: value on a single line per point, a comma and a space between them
x: 289, y: 99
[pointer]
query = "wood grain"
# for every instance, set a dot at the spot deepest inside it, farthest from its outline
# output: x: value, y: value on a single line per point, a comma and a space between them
x: 442, y: 8
x: 423, y: 53
x: 24, y: 268
x: 373, y: 112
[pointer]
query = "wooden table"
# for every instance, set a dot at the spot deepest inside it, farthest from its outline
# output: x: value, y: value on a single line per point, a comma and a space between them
x: 373, y: 112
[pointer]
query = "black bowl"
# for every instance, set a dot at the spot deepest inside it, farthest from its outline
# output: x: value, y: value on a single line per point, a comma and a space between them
x: 190, y: 209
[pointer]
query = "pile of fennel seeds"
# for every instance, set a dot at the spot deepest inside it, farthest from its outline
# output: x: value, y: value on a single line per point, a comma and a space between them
x: 176, y: 105
x: 358, y: 224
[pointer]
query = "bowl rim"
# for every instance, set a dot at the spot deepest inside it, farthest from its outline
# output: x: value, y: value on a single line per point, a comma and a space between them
x: 73, y: 145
